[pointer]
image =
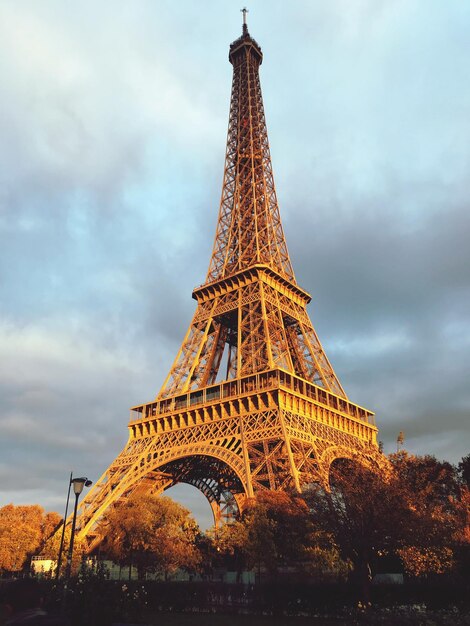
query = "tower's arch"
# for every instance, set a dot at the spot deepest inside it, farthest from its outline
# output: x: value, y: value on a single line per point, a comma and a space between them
x: 368, y: 459
x: 214, y: 470
x: 214, y: 478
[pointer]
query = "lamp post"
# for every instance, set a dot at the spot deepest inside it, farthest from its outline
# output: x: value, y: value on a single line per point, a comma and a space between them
x: 64, y: 524
x: 78, y: 484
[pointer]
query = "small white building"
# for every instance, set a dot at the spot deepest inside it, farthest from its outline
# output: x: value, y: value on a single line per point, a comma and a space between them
x: 40, y: 565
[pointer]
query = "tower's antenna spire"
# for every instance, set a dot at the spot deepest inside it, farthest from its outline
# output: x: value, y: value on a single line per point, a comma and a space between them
x: 245, y: 27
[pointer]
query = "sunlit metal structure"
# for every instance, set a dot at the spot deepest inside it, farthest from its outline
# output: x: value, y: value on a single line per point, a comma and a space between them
x: 251, y: 401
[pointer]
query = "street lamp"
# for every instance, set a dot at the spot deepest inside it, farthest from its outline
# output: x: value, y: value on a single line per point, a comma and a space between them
x: 78, y: 484
x: 64, y: 524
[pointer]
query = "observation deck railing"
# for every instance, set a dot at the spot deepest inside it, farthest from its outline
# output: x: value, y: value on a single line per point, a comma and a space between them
x: 247, y: 385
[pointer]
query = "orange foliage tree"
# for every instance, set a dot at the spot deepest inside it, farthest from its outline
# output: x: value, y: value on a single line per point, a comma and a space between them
x: 431, y: 491
x: 415, y: 512
x: 364, y: 513
x: 276, y: 533
x: 153, y: 533
x: 23, y: 531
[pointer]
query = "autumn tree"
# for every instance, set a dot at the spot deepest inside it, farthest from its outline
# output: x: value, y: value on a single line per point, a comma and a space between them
x: 279, y: 532
x: 23, y: 532
x: 463, y: 469
x: 153, y: 533
x: 225, y: 547
x: 363, y: 512
x: 431, y: 491
x: 413, y: 512
x: 462, y: 536
x: 275, y: 533
x: 432, y: 480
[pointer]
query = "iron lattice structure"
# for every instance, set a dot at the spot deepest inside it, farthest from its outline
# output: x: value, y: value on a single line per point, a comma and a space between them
x: 251, y: 401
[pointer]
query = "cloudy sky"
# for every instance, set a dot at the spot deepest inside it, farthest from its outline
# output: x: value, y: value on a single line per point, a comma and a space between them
x: 113, y: 121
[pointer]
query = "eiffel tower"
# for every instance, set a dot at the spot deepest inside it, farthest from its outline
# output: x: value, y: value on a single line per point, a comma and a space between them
x: 251, y: 401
